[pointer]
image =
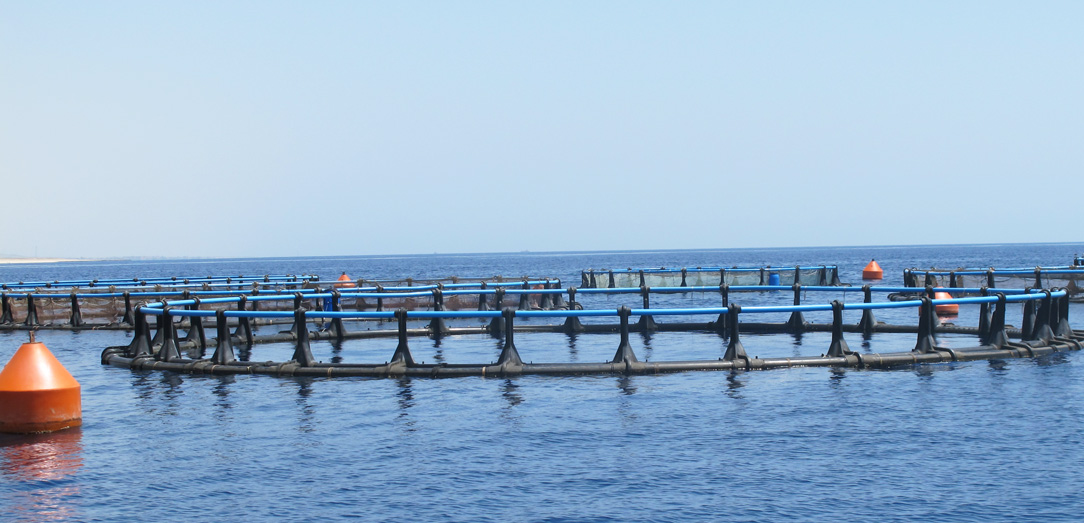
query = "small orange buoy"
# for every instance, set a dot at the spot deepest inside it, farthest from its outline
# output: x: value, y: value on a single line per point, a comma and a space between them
x: 945, y: 309
x: 872, y: 271
x: 344, y: 278
x: 37, y: 394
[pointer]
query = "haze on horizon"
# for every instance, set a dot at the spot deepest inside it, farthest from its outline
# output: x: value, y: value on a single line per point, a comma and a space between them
x: 265, y: 129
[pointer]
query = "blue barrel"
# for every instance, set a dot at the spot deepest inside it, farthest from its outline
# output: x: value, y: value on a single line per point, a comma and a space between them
x: 773, y: 278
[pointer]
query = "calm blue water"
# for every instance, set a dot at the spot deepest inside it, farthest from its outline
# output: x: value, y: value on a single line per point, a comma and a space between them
x: 976, y: 441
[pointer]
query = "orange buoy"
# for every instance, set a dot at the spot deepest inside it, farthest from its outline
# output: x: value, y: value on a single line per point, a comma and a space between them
x: 872, y: 271
x: 945, y: 309
x: 37, y: 394
x: 344, y: 278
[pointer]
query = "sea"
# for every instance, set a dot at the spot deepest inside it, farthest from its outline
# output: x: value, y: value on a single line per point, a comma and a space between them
x: 999, y: 440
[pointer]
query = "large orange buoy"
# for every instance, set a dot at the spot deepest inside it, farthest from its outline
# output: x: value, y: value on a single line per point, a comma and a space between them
x: 37, y: 394
x: 945, y: 309
x: 344, y: 278
x: 872, y: 271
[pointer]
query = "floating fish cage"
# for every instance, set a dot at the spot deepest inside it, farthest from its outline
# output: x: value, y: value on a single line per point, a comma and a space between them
x: 704, y: 276
x: 1071, y: 278
x: 157, y: 343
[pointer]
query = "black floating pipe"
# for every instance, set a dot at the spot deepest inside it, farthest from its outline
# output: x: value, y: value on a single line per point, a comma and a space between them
x: 402, y: 354
x: 646, y: 321
x: 141, y: 340
x: 6, y: 317
x: 302, y: 352
x: 76, y: 318
x: 868, y: 322
x: 509, y: 361
x: 168, y: 351
x: 224, y: 349
x: 839, y: 346
x: 625, y: 354
x: 796, y: 324
x: 926, y: 320
x: 734, y: 349
x: 436, y: 326
x: 31, y: 311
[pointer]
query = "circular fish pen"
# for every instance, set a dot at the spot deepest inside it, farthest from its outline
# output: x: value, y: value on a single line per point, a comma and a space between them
x: 502, y: 314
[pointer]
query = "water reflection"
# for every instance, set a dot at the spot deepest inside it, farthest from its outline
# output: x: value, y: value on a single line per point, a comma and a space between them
x: 626, y: 385
x: 438, y: 355
x: 508, y: 391
x: 797, y: 353
x: 406, y: 401
x: 734, y: 384
x: 647, y: 335
x: 336, y: 351
x: 47, y: 461
x: 222, y: 391
x: 307, y: 414
x: 573, y: 352
x: 836, y: 380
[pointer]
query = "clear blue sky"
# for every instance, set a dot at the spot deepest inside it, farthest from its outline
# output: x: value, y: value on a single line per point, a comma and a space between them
x: 333, y: 128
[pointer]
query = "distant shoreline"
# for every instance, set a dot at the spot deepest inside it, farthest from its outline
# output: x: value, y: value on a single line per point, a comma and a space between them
x: 9, y: 261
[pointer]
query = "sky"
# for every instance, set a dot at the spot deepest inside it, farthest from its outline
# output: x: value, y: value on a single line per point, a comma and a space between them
x: 253, y: 129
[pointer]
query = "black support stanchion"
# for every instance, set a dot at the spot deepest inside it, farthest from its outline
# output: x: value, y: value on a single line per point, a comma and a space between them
x: 868, y: 322
x: 545, y: 302
x: 496, y: 325
x: 524, y: 299
x: 558, y: 301
x: 839, y: 346
x: 1062, y: 329
x: 141, y: 339
x: 436, y: 326
x: 168, y: 351
x: 1028, y: 320
x: 127, y: 319
x: 483, y: 305
x: 337, y: 330
x: 402, y: 354
x: 611, y: 284
x: 1042, y: 332
x: 244, y: 324
x: 31, y: 311
x: 76, y: 317
x: 984, y: 315
x: 721, y: 323
x: 302, y: 352
x: 990, y: 282
x: 224, y: 348
x: 584, y: 280
x: 646, y: 322
x: 926, y: 321
x: 734, y: 349
x: 6, y: 317
x: 625, y: 354
x: 509, y: 360
x: 196, y: 334
x: 796, y: 324
x: 996, y: 336
x: 684, y: 273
